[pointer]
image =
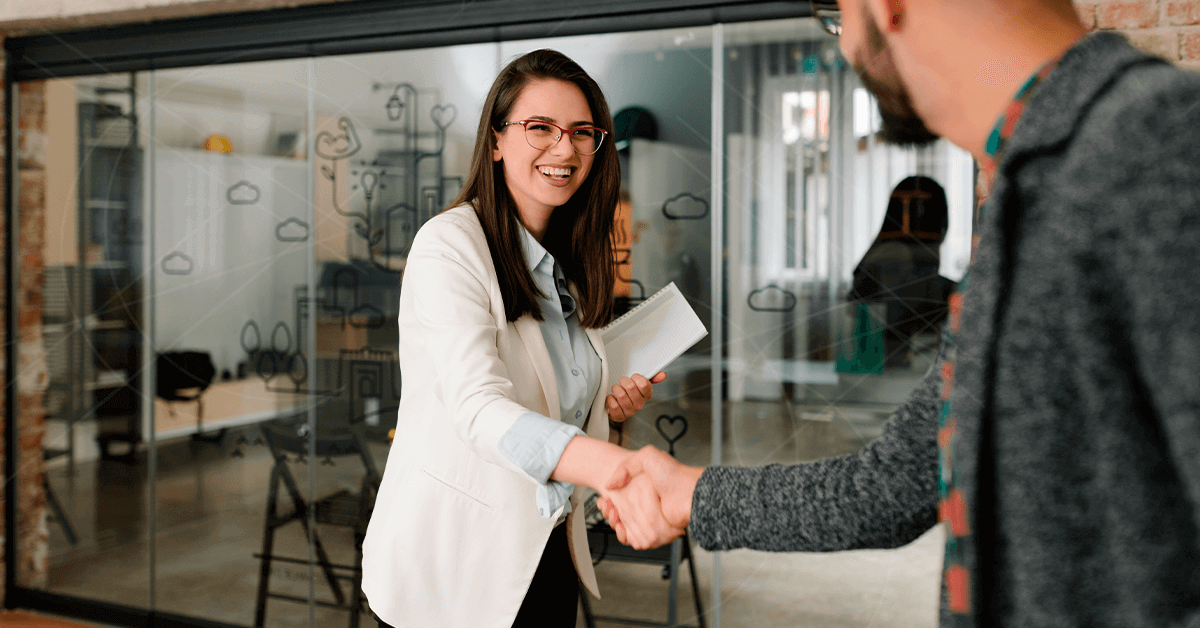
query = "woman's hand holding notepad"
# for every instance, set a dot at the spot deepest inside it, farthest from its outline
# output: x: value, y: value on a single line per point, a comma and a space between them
x: 650, y: 336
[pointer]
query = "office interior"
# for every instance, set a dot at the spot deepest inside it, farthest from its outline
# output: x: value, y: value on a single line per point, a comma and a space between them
x: 223, y: 250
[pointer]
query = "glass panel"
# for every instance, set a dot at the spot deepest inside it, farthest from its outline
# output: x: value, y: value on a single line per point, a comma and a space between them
x: 832, y: 314
x: 275, y: 281
x: 394, y: 138
x: 658, y: 85
x: 232, y: 240
x: 89, y: 168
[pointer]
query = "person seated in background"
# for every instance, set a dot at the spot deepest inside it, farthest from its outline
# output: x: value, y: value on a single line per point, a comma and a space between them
x: 900, y: 268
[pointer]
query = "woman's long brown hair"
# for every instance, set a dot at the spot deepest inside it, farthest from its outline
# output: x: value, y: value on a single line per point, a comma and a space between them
x: 579, y: 234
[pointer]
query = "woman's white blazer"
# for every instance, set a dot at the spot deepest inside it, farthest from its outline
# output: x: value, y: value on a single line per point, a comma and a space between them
x: 455, y: 536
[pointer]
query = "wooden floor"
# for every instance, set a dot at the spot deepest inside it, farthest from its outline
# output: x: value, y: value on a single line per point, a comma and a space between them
x: 20, y: 619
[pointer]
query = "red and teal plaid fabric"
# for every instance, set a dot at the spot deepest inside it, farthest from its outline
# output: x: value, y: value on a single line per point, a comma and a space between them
x: 952, y: 507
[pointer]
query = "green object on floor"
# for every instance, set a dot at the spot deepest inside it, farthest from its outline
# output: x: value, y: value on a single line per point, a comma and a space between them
x: 863, y: 351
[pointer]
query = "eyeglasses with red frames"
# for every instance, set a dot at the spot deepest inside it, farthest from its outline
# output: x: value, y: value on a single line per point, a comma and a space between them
x: 586, y: 140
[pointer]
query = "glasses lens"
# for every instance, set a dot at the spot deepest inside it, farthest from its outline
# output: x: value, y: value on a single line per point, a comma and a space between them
x: 830, y: 17
x: 832, y: 23
x: 540, y: 135
x: 586, y: 141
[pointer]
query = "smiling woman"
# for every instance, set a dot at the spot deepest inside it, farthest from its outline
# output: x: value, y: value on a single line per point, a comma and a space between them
x: 504, y: 406
x: 542, y: 171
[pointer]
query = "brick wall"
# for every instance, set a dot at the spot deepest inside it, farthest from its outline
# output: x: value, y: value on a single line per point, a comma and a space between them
x: 32, y: 529
x: 32, y: 376
x: 3, y: 314
x: 1167, y: 28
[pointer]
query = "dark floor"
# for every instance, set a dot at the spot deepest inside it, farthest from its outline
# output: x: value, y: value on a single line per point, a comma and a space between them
x: 209, y: 505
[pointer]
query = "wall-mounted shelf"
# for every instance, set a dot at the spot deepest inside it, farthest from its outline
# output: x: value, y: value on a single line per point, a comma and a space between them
x: 106, y: 296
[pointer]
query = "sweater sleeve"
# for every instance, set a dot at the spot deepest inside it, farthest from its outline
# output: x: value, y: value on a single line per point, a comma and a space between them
x: 881, y: 497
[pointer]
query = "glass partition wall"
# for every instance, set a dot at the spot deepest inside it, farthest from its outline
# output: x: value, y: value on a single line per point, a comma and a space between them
x: 222, y: 257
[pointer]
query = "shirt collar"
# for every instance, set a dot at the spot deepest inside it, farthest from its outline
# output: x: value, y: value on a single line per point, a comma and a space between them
x: 1008, y: 120
x: 536, y: 255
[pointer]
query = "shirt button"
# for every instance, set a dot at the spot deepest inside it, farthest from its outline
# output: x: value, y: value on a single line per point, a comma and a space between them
x: 575, y: 371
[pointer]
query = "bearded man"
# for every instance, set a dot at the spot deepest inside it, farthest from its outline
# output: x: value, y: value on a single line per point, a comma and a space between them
x: 1057, y: 437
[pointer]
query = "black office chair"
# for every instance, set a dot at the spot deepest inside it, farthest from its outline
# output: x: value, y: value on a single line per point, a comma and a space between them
x: 182, y: 376
x: 602, y: 540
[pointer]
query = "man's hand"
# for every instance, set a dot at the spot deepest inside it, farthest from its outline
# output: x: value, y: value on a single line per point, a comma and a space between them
x: 643, y: 526
x: 674, y: 484
x: 629, y: 395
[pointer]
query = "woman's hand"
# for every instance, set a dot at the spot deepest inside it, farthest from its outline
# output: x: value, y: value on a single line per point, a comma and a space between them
x: 598, y: 464
x: 629, y: 395
x: 641, y: 523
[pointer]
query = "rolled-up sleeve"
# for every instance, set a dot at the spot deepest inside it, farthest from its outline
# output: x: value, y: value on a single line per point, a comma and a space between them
x: 535, y: 443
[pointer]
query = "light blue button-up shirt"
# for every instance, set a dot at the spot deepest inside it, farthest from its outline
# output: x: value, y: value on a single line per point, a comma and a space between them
x: 536, y: 442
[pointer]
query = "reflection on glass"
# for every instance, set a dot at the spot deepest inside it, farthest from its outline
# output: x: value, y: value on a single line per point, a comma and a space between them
x: 232, y: 232
x: 807, y: 185
x: 89, y: 266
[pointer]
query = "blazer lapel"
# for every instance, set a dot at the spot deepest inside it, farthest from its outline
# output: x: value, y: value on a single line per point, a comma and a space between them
x: 530, y: 332
x: 599, y: 408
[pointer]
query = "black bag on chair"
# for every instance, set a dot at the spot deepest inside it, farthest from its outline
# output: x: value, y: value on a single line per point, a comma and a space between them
x: 184, y: 376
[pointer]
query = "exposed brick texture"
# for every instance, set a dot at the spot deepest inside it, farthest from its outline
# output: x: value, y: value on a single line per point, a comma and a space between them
x: 3, y: 314
x: 1127, y: 14
x: 1190, y: 50
x: 1167, y: 28
x: 1163, y: 42
x: 1087, y: 14
x: 1181, y: 12
x: 32, y: 530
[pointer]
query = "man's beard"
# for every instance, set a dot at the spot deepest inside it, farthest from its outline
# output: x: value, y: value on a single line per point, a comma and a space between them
x: 901, y: 124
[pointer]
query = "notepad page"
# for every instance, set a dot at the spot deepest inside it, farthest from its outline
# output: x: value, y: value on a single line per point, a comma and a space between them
x: 648, y: 339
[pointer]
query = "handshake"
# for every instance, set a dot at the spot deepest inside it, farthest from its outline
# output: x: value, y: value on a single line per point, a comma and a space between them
x: 648, y: 500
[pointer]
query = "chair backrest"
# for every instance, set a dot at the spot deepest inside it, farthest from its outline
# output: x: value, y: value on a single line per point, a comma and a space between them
x: 901, y: 265
x: 178, y: 371
x: 917, y: 211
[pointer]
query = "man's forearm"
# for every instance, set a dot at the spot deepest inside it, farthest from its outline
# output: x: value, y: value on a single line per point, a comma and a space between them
x: 883, y: 496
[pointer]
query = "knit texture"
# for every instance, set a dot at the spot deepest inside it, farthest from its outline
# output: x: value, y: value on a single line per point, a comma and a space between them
x: 1077, y: 376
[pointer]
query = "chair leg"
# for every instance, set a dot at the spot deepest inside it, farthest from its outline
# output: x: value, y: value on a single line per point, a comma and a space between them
x: 264, y: 573
x: 302, y: 514
x: 687, y: 544
x: 57, y: 511
x: 673, y: 590
x: 360, y: 532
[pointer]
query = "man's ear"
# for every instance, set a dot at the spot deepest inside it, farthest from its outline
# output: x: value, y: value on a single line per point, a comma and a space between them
x: 894, y: 14
x: 889, y: 14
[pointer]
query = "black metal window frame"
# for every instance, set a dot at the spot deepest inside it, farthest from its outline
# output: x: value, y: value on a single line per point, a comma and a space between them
x: 339, y: 28
x: 358, y: 26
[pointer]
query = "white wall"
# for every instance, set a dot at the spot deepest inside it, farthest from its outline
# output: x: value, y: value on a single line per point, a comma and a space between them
x: 237, y: 270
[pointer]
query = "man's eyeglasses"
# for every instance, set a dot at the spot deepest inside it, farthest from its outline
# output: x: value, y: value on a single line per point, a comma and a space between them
x: 586, y: 140
x: 828, y: 14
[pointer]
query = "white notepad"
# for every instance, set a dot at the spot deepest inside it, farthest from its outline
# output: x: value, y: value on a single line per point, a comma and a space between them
x: 647, y: 338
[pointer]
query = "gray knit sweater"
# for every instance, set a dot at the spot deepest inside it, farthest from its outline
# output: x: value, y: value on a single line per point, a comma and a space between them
x: 1077, y: 379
